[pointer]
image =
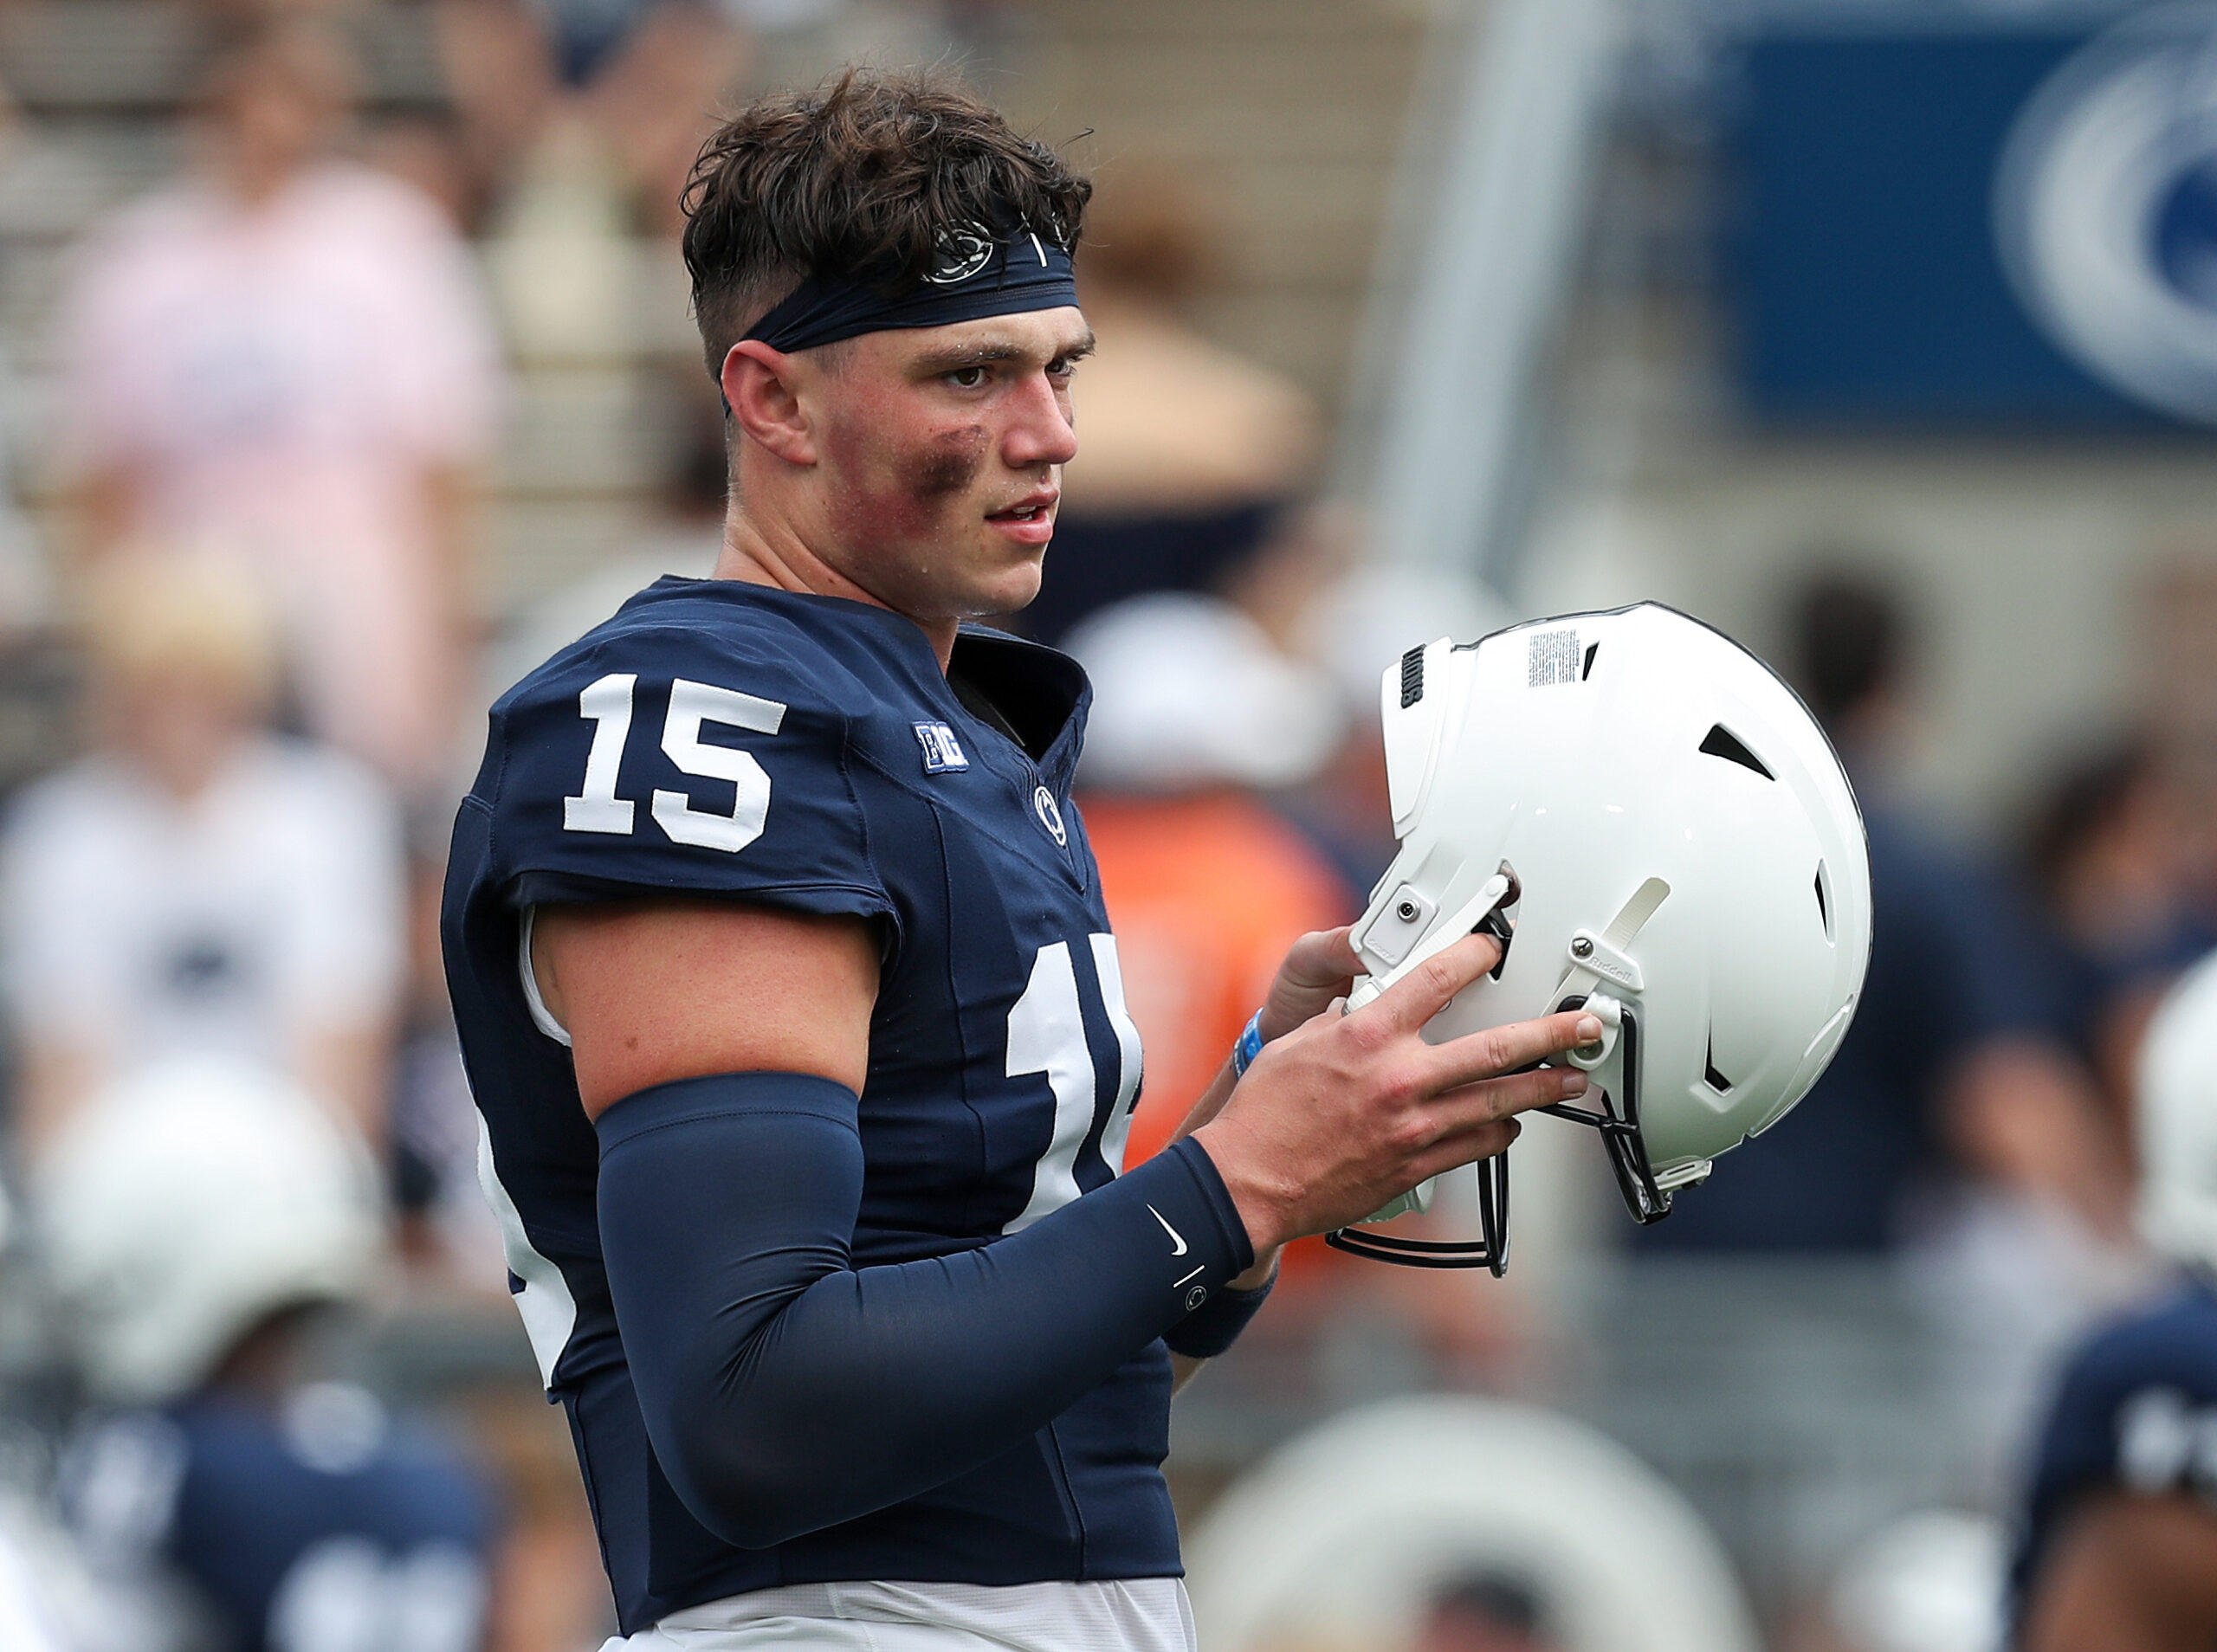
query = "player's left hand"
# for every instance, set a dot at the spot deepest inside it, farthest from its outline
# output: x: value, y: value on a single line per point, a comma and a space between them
x: 1319, y: 969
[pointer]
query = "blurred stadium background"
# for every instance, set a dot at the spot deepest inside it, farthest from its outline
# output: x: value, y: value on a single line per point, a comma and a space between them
x: 1880, y: 334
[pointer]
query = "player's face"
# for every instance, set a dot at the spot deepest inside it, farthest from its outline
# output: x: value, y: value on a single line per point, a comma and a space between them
x: 942, y: 452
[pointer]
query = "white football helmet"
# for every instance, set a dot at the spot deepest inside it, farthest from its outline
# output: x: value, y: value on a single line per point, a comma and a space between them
x: 183, y: 1205
x: 2177, y: 1086
x: 1340, y: 1536
x: 1659, y: 832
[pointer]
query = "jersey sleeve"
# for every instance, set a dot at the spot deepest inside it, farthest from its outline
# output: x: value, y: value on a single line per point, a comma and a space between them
x: 665, y: 762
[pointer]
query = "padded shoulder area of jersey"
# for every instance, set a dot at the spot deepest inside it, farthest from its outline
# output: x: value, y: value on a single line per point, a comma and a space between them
x: 686, y: 746
x: 2172, y: 1340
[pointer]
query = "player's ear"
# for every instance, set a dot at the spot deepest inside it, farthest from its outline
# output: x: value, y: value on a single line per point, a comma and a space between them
x: 759, y: 388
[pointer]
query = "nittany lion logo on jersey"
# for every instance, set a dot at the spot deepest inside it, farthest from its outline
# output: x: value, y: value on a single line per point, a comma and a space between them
x: 1042, y: 805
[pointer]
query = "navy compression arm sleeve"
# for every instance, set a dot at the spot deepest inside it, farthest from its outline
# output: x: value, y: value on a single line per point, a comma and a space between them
x: 785, y: 1389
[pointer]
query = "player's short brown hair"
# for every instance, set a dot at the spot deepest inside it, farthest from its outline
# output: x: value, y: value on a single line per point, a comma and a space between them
x: 862, y: 178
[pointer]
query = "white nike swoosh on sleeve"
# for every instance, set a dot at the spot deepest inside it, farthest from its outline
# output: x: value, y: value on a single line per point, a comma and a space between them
x: 1176, y: 1238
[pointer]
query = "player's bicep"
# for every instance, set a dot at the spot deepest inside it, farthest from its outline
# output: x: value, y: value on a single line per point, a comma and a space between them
x: 654, y: 992
x: 2131, y: 1573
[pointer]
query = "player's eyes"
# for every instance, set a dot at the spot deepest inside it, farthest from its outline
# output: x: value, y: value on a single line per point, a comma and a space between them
x: 966, y: 378
x: 1062, y: 369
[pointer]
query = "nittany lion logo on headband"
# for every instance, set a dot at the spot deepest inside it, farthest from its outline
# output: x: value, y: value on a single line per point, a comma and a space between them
x: 962, y: 253
x: 975, y: 272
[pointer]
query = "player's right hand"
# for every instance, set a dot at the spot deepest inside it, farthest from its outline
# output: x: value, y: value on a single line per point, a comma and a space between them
x: 1348, y: 1111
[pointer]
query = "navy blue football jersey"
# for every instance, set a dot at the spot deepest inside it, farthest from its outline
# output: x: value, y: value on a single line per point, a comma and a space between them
x: 318, y: 1525
x: 2136, y: 1411
x: 805, y: 752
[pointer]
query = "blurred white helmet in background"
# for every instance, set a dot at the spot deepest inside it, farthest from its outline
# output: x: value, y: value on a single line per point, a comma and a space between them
x: 1929, y: 1582
x: 186, y: 1203
x: 1679, y: 851
x: 1378, y: 610
x: 1189, y: 692
x: 2177, y: 1096
x: 1342, y: 1536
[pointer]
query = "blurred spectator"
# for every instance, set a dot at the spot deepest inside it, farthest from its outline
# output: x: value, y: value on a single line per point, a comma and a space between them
x: 195, y: 1219
x: 2110, y: 853
x: 196, y: 883
x: 446, y: 1232
x: 27, y: 595
x: 1190, y: 452
x: 684, y: 536
x: 1948, y: 1073
x: 625, y: 84
x: 286, y: 354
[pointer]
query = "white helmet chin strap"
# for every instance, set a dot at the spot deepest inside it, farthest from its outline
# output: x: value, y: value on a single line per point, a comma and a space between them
x: 1594, y: 963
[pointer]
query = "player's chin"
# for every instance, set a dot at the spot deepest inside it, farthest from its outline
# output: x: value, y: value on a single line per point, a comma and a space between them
x: 1004, y: 584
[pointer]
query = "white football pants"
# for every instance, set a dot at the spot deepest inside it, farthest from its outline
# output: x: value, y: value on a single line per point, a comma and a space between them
x: 1136, y: 1615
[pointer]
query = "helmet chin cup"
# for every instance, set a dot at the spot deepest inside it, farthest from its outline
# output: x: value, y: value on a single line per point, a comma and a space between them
x: 1490, y: 1250
x: 1614, y: 1058
x: 1483, y: 914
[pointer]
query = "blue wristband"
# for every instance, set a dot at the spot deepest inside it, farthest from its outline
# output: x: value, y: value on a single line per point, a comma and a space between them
x: 1248, y: 1046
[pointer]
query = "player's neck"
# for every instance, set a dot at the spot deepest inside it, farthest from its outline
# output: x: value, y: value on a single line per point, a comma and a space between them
x: 756, y: 556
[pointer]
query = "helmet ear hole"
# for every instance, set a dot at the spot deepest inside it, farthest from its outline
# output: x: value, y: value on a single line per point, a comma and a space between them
x: 1721, y: 742
x: 1715, y: 1079
x: 1824, y: 897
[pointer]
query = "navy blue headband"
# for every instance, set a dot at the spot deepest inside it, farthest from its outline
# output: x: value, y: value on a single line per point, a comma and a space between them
x: 976, y: 275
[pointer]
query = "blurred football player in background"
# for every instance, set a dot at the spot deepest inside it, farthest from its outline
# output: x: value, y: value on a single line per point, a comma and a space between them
x: 194, y: 1220
x: 2117, y: 1547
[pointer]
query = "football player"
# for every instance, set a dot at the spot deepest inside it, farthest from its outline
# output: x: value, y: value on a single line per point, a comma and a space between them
x: 190, y: 1218
x: 2118, y: 1550
x: 788, y: 995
